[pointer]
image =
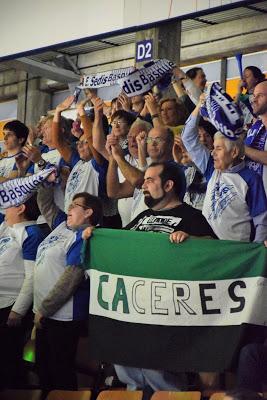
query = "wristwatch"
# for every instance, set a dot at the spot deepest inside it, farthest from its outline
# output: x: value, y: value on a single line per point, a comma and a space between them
x: 42, y: 164
x: 154, y: 116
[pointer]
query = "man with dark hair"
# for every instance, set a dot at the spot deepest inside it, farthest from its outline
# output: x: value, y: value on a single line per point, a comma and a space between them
x: 15, y: 136
x: 164, y: 188
x: 20, y: 130
x: 19, y: 240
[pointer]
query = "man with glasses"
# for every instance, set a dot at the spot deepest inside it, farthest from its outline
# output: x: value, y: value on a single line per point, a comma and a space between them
x: 158, y: 145
x: 256, y: 143
x: 117, y: 186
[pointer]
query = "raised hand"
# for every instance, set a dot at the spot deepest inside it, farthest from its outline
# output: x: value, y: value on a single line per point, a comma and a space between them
x: 178, y: 73
x: 22, y: 163
x: 112, y: 140
x: 32, y: 153
x: 177, y: 149
x: 65, y: 105
x: 141, y: 139
x: 98, y: 105
x: 125, y: 101
x: 151, y: 104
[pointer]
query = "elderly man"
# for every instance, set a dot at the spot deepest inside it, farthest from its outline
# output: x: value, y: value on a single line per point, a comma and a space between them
x: 256, y: 143
x: 235, y: 204
x: 117, y: 186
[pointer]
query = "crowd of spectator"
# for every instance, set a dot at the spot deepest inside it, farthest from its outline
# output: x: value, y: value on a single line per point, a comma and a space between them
x: 123, y: 166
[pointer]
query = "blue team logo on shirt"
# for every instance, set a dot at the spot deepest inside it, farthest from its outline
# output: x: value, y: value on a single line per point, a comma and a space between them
x: 49, y: 242
x: 74, y: 180
x: 4, y: 244
x: 221, y: 196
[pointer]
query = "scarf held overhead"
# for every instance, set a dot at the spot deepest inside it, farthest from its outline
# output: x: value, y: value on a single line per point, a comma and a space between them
x: 107, y: 78
x: 17, y: 191
x: 142, y: 80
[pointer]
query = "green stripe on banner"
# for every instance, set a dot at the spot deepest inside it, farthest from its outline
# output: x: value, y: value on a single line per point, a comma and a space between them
x: 152, y: 255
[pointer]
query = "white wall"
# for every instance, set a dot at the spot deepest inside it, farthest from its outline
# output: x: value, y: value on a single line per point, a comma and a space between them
x: 8, y: 110
x: 27, y: 25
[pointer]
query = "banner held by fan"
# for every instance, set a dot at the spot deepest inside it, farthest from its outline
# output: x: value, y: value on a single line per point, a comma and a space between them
x: 17, y: 191
x: 102, y: 79
x: 222, y: 112
x: 143, y: 79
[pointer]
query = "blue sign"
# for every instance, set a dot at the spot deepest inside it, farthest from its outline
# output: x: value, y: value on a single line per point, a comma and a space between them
x: 144, y: 50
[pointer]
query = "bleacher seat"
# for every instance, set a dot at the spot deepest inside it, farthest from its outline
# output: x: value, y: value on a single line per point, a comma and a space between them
x: 217, y: 396
x: 167, y: 395
x: 69, y: 395
x: 120, y: 395
x: 14, y: 394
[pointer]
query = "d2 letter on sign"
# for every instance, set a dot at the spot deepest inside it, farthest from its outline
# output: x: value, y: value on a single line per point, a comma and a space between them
x: 144, y: 50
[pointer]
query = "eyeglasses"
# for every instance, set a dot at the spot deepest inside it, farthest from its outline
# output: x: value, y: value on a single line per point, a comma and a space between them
x: 118, y: 123
x: 80, y: 143
x: 73, y: 205
x: 157, y: 140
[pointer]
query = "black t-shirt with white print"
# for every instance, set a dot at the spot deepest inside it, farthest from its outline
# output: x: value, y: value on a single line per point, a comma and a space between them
x: 181, y: 218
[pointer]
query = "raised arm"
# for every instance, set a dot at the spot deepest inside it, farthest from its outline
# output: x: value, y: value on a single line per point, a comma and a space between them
x: 259, y: 156
x: 47, y: 206
x: 99, y: 139
x: 115, y: 188
x: 192, y: 90
x: 87, y: 129
x: 133, y: 175
x: 199, y: 153
x: 58, y: 141
x: 153, y: 109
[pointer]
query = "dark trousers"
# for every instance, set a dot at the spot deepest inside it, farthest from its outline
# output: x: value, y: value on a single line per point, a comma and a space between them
x: 252, y: 367
x: 12, y: 341
x: 56, y: 346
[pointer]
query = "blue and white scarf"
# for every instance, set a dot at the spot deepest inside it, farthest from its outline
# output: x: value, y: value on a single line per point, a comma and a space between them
x: 256, y: 138
x: 223, y: 112
x: 17, y: 191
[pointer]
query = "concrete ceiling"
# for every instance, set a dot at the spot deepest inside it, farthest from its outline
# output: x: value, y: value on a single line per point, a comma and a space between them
x: 190, y: 24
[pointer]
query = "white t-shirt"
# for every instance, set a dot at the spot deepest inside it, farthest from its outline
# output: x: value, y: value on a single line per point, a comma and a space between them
x: 51, y: 260
x: 85, y: 176
x: 18, y: 247
x: 233, y: 199
x: 7, y: 165
x: 125, y: 205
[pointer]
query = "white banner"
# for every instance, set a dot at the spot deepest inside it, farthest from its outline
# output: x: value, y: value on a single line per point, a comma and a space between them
x: 144, y: 79
x: 107, y: 78
x: 178, y: 303
x: 17, y: 191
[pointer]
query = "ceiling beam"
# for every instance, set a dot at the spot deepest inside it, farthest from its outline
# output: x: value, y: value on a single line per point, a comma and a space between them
x: 43, y: 70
